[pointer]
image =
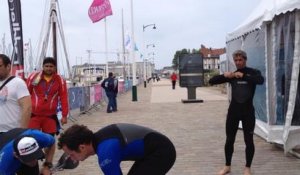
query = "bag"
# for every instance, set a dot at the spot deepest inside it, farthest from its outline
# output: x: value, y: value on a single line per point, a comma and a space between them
x: 109, y: 84
x: 10, y: 78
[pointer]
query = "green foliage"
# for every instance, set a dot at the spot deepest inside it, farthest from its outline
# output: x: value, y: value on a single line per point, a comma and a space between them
x: 179, y: 53
x: 208, y: 74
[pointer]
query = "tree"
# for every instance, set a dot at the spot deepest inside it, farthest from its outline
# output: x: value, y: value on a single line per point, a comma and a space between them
x: 179, y: 53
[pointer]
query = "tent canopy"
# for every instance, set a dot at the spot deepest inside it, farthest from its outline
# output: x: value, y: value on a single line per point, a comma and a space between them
x: 264, y: 12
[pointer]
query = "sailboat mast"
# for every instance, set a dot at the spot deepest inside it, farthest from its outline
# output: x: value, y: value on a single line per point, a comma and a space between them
x: 54, y: 35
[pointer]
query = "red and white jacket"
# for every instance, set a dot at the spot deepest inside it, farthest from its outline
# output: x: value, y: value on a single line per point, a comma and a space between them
x: 46, y: 95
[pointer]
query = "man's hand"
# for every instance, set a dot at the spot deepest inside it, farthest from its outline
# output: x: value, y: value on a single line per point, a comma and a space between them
x: 45, y: 171
x: 64, y: 120
x: 238, y: 75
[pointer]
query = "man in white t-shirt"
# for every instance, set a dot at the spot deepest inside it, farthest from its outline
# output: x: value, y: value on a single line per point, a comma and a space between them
x: 15, y: 101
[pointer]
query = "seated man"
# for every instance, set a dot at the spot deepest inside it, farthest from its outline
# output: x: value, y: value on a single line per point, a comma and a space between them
x: 153, y: 153
x: 20, y: 150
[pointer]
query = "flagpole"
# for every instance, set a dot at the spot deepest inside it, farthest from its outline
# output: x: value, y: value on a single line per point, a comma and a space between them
x: 106, y: 50
x: 123, y: 48
x: 134, y: 88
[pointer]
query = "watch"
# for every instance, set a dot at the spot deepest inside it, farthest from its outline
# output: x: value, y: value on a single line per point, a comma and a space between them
x: 48, y: 164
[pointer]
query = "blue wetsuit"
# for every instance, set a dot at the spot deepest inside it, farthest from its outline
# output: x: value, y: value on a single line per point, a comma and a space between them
x: 152, y: 152
x: 10, y: 165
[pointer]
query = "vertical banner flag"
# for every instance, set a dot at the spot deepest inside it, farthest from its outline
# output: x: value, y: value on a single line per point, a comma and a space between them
x: 128, y: 44
x: 17, y: 37
x: 99, y: 10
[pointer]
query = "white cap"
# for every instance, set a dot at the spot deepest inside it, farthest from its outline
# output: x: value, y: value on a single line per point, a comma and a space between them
x: 28, y: 149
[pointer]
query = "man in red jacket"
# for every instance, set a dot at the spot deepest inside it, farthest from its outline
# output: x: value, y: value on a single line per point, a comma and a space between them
x: 173, y: 79
x: 47, y: 90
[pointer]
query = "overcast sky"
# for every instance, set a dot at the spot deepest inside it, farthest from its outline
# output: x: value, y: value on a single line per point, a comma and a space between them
x: 180, y: 24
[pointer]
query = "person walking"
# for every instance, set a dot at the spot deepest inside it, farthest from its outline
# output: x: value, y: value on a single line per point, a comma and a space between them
x: 243, y: 83
x: 152, y: 152
x: 173, y: 79
x: 15, y: 102
x: 20, y: 150
x: 110, y: 87
x: 48, y: 92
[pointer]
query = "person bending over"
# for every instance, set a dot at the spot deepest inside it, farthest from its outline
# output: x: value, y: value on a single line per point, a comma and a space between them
x: 152, y: 152
x: 20, y: 150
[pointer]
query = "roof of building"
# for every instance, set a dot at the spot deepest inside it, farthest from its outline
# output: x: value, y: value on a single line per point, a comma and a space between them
x: 212, y: 52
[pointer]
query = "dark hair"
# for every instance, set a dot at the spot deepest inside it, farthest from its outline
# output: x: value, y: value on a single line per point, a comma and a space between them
x: 49, y: 60
x: 75, y: 136
x: 110, y: 74
x: 5, y: 59
x: 240, y: 53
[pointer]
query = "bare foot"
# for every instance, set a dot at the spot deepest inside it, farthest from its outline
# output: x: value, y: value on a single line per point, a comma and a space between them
x: 247, y: 171
x: 225, y: 170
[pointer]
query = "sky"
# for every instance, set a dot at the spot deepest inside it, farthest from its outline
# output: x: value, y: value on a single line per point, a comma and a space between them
x: 179, y: 24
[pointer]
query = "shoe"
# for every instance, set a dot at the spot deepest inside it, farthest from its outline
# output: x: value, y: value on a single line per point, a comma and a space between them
x: 108, y: 111
x: 114, y: 110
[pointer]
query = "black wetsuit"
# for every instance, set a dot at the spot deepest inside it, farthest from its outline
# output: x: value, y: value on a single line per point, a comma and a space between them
x: 240, y: 109
x: 153, y: 153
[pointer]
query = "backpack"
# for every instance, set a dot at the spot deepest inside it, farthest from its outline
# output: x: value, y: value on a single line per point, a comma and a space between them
x: 108, y: 84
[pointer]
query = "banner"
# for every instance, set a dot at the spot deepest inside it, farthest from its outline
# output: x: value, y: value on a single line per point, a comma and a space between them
x: 17, y: 37
x: 128, y: 42
x: 99, y: 10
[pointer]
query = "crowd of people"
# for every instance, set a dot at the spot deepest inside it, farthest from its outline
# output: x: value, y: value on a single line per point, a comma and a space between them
x: 29, y: 124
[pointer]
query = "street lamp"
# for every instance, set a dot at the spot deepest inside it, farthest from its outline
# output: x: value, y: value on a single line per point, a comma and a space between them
x: 148, y: 45
x: 152, y: 65
x: 145, y: 26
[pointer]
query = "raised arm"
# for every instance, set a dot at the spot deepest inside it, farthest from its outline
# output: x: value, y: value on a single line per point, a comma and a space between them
x: 255, y: 77
x: 219, y: 79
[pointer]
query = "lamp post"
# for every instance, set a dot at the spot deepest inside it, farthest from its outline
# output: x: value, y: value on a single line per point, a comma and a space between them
x: 145, y: 26
x: 148, y: 45
x: 152, y: 65
x: 144, y: 61
x: 145, y: 68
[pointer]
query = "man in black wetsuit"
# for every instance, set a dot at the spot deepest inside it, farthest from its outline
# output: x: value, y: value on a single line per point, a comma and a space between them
x: 152, y: 152
x: 243, y: 83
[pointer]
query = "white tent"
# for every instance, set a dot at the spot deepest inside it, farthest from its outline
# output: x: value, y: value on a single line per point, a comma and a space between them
x: 264, y: 12
x: 271, y: 38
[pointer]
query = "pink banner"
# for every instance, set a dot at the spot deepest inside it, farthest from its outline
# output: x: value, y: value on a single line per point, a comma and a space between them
x: 121, y: 87
x: 97, y: 92
x: 99, y: 10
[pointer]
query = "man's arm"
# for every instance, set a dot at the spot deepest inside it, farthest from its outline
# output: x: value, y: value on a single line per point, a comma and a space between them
x: 255, y: 77
x: 46, y: 141
x: 63, y: 93
x: 25, y: 105
x: 49, y: 153
x: 219, y: 79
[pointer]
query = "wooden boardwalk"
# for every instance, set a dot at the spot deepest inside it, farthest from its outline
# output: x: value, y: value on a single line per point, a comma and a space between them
x: 197, y: 130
